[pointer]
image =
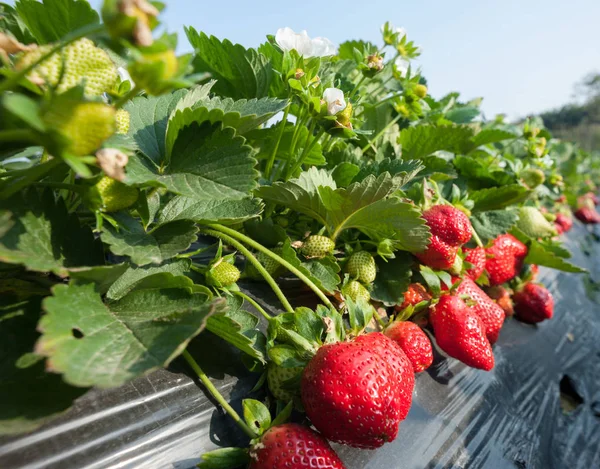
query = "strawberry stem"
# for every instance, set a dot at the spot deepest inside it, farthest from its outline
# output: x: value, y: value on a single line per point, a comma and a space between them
x: 476, y: 238
x: 223, y: 231
x: 254, y: 261
x: 214, y: 392
x: 258, y: 307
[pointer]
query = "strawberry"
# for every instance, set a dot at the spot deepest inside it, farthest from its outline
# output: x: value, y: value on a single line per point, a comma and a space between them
x: 414, y: 342
x: 533, y: 304
x: 84, y: 125
x: 532, y: 177
x: 420, y: 91
x: 593, y: 197
x: 587, y: 215
x: 112, y: 196
x: 563, y: 223
x: 450, y: 228
x: 415, y: 294
x: 504, y: 259
x: 83, y: 62
x: 122, y: 118
x: 489, y: 312
x: 293, y: 446
x: 533, y: 223
x: 277, y: 376
x: 461, y: 333
x: 475, y: 256
x: 222, y: 274
x: 354, y: 290
x: 502, y: 297
x: 356, y: 392
x: 153, y: 71
x: 317, y: 246
x: 361, y: 266
x: 274, y: 268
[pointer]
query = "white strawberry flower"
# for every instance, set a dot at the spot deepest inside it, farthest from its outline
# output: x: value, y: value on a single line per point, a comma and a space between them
x: 334, y: 98
x: 401, y: 32
x: 288, y: 39
x: 402, y: 66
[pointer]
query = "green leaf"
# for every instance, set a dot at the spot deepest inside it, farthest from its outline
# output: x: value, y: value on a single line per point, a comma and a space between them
x: 496, y: 198
x: 266, y: 139
x: 344, y: 173
x: 208, y: 163
x: 256, y: 415
x: 225, y: 211
x: 326, y: 271
x: 265, y: 231
x: 239, y: 328
x: 29, y: 396
x: 538, y: 254
x: 10, y: 21
x: 393, y: 278
x: 493, y: 223
x: 423, y: 140
x: 284, y: 415
x: 225, y: 458
x: 243, y: 115
x: 437, y: 168
x: 144, y: 247
x: 402, y: 171
x: 287, y: 356
x: 308, y: 324
x: 148, y: 122
x: 52, y: 20
x: 134, y: 275
x: 462, y: 115
x: 106, y: 345
x: 103, y: 276
x: 487, y: 136
x: 431, y: 279
x: 359, y: 314
x: 45, y: 237
x: 240, y: 72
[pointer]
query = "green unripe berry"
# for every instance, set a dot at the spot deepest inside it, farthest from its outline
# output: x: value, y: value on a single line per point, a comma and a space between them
x: 361, y: 266
x: 421, y: 91
x: 355, y: 291
x: 277, y: 376
x: 532, y: 177
x: 222, y: 275
x: 274, y: 268
x: 317, y: 246
x: 109, y: 195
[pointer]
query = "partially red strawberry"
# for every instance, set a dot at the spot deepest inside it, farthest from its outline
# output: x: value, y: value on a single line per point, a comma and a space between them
x: 490, y: 313
x: 293, y: 446
x: 563, y: 223
x: 450, y: 228
x: 587, y: 215
x: 502, y: 297
x: 534, y: 303
x: 414, y: 342
x: 504, y: 259
x: 415, y: 294
x: 461, y: 333
x: 593, y: 197
x: 475, y: 256
x: 355, y: 392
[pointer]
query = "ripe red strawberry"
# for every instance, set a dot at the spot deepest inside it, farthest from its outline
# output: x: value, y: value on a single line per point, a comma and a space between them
x: 587, y: 215
x: 502, y: 297
x: 355, y: 392
x: 504, y: 259
x: 461, y: 333
x: 293, y: 446
x: 489, y: 312
x: 534, y: 303
x: 475, y: 256
x: 563, y: 223
x: 450, y: 228
x: 413, y: 296
x: 414, y: 342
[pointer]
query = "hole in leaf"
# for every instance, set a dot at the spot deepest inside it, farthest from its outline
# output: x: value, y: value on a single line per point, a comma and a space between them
x: 77, y: 333
x: 570, y: 399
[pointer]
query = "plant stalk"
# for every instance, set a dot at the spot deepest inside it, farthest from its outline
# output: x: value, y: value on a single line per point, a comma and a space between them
x: 271, y: 160
x: 258, y: 307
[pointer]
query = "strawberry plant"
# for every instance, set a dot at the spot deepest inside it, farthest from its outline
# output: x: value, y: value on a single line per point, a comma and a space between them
x: 140, y: 190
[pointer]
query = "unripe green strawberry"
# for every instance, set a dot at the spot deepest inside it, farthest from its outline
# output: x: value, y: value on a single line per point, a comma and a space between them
x: 82, y: 61
x: 113, y: 195
x: 317, y: 246
x: 532, y: 177
x: 123, y: 119
x: 344, y: 116
x: 154, y: 70
x: 533, y: 223
x: 84, y: 124
x: 361, y: 266
x: 277, y: 376
x: 354, y: 290
x: 273, y: 267
x: 421, y: 91
x: 222, y: 275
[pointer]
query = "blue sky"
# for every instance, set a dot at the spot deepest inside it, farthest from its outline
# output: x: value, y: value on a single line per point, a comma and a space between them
x: 521, y: 56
